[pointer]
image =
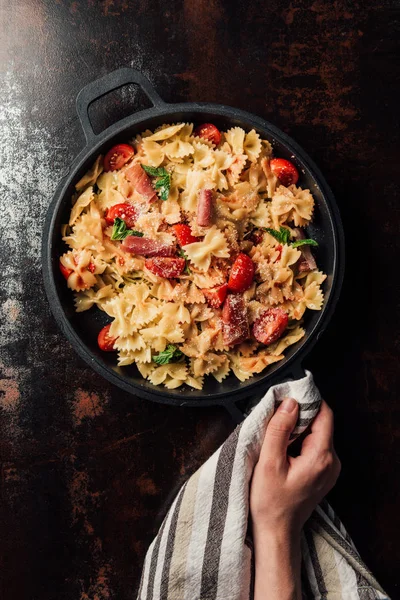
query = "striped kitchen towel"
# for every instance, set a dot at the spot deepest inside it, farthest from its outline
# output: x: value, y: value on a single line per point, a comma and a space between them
x: 203, y: 550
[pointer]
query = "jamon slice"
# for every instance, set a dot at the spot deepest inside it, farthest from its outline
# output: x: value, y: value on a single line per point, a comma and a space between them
x: 306, y: 261
x: 235, y: 321
x: 146, y: 247
x: 204, y: 208
x: 140, y: 181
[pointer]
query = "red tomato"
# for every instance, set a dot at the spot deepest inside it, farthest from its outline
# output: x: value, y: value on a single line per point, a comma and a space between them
x: 126, y: 212
x: 118, y: 156
x: 285, y: 171
x: 208, y: 132
x: 91, y: 267
x: 216, y: 296
x: 242, y: 274
x: 105, y: 342
x: 184, y: 234
x: 165, y: 267
x: 279, y: 249
x: 270, y: 325
x: 65, y: 271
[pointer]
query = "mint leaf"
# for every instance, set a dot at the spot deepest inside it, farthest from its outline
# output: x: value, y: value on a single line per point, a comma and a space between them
x: 120, y: 232
x: 155, y: 171
x: 170, y: 354
x: 283, y: 235
x: 307, y: 242
x: 163, y: 182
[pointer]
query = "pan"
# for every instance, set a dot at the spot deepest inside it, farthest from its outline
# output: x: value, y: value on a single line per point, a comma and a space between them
x: 81, y: 329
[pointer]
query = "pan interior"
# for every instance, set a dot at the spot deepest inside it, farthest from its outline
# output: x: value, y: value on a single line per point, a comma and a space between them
x: 82, y: 328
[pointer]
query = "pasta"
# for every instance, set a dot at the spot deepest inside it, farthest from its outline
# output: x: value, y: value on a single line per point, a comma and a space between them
x: 157, y: 241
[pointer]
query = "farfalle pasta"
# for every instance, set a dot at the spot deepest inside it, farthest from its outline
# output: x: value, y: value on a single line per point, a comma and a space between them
x: 192, y: 243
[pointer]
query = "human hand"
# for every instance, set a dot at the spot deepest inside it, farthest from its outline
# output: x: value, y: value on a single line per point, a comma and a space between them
x: 285, y: 490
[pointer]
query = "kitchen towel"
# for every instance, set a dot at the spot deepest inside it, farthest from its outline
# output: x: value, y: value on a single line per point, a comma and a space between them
x: 203, y: 550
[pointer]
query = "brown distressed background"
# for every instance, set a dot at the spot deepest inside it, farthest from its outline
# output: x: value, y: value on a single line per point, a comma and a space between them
x: 86, y: 470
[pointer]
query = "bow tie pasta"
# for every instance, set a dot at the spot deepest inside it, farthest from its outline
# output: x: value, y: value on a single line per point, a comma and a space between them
x: 192, y: 243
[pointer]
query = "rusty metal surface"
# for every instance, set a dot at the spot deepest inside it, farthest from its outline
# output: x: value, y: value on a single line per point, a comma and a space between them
x: 87, y: 471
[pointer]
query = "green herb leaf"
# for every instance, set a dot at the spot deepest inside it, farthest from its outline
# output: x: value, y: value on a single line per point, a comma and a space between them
x: 155, y: 171
x: 170, y: 354
x: 120, y: 232
x: 163, y: 186
x: 283, y: 235
x: 163, y: 182
x: 181, y: 253
x: 307, y: 242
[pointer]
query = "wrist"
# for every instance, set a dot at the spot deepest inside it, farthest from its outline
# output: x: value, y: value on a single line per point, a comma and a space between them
x: 277, y: 554
x: 283, y: 532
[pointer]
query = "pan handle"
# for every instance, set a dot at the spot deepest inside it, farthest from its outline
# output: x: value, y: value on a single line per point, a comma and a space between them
x: 100, y: 87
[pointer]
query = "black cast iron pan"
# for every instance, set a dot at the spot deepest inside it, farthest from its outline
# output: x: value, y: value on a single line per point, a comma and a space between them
x: 81, y: 329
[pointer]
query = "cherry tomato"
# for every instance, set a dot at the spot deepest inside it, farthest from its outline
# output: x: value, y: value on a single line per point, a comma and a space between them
x: 184, y: 234
x: 65, y: 271
x: 208, y: 132
x: 105, y: 342
x: 216, y: 296
x: 242, y: 273
x: 126, y: 212
x: 165, y: 267
x: 118, y: 156
x: 285, y: 171
x: 270, y: 325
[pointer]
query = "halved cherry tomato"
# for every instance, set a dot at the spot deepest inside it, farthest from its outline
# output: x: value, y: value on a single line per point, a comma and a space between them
x: 270, y: 325
x: 105, y: 342
x: 242, y: 274
x: 118, y: 156
x: 285, y: 171
x: 65, y: 271
x: 126, y: 212
x: 184, y: 234
x: 165, y: 267
x: 208, y: 132
x: 216, y: 296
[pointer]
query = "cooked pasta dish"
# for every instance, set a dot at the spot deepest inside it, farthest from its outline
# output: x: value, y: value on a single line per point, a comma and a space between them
x: 193, y: 242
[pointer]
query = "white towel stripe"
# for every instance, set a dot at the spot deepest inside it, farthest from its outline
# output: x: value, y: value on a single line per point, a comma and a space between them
x: 201, y: 520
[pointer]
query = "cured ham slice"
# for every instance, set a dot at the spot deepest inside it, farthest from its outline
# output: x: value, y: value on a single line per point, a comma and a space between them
x: 235, y: 321
x: 146, y: 247
x: 204, y: 208
x: 306, y: 261
x: 140, y: 181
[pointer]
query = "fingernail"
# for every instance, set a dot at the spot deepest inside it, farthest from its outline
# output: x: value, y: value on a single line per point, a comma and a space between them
x: 288, y: 405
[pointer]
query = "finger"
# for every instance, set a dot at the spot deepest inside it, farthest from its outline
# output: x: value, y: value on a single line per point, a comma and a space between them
x: 321, y: 436
x: 278, y: 431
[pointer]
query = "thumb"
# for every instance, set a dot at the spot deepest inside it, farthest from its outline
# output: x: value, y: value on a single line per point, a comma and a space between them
x: 278, y: 431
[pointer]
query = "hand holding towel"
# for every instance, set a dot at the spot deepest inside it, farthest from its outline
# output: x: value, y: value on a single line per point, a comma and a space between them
x: 202, y: 550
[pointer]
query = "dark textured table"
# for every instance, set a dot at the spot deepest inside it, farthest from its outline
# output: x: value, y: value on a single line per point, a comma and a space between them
x: 87, y: 471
